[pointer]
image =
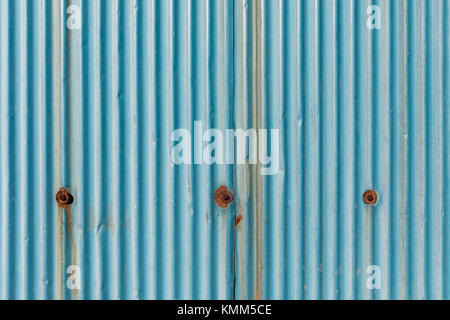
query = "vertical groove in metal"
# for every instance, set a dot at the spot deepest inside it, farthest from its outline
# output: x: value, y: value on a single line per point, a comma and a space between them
x: 93, y: 110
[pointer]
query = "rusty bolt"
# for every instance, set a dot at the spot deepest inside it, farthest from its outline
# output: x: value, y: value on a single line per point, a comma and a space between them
x: 370, y: 197
x: 63, y: 197
x: 224, y: 197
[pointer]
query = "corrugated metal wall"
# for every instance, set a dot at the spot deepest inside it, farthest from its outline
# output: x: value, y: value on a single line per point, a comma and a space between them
x: 92, y: 109
x: 358, y: 109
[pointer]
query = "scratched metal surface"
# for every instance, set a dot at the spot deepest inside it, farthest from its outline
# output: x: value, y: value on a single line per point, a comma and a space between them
x: 93, y: 109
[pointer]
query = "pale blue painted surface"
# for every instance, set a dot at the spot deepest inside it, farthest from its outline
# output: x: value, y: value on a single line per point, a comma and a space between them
x: 93, y: 110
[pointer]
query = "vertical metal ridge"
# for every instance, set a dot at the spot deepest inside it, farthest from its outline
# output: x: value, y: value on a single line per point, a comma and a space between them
x: 329, y: 159
x: 312, y: 239
x: 244, y: 258
x: 107, y: 215
x: 129, y: 147
x: 292, y: 93
x: 30, y: 223
x: 417, y: 150
x: 115, y: 95
x: 400, y: 92
x: 18, y: 155
x: 200, y: 17
x: 178, y: 185
x: 37, y: 224
x: 148, y: 179
x: 273, y: 212
x: 435, y: 146
x: 383, y: 157
x: 347, y: 183
x: 4, y: 167
x: 220, y: 16
x: 209, y: 40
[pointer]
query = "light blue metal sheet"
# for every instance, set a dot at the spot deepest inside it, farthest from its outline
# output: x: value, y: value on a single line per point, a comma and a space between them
x: 92, y: 109
x: 358, y: 109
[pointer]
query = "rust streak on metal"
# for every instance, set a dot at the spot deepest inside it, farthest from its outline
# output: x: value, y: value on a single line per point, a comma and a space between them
x: 370, y: 197
x: 59, y: 256
x: 223, y: 196
x: 237, y: 220
x: 74, y: 248
x: 68, y: 89
x: 65, y: 199
x: 69, y: 222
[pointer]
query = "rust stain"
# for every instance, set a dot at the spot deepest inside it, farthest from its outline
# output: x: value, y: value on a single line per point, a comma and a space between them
x: 69, y: 221
x: 59, y: 257
x: 74, y: 247
x: 56, y: 92
x: 223, y: 197
x: 65, y: 199
x: 251, y: 38
x: 237, y: 220
x: 370, y: 197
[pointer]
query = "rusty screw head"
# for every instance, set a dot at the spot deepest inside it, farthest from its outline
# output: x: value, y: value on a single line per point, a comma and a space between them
x: 224, y: 197
x: 63, y: 197
x: 370, y: 197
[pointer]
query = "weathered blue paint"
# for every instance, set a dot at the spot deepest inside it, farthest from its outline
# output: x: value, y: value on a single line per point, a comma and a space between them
x: 93, y: 110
